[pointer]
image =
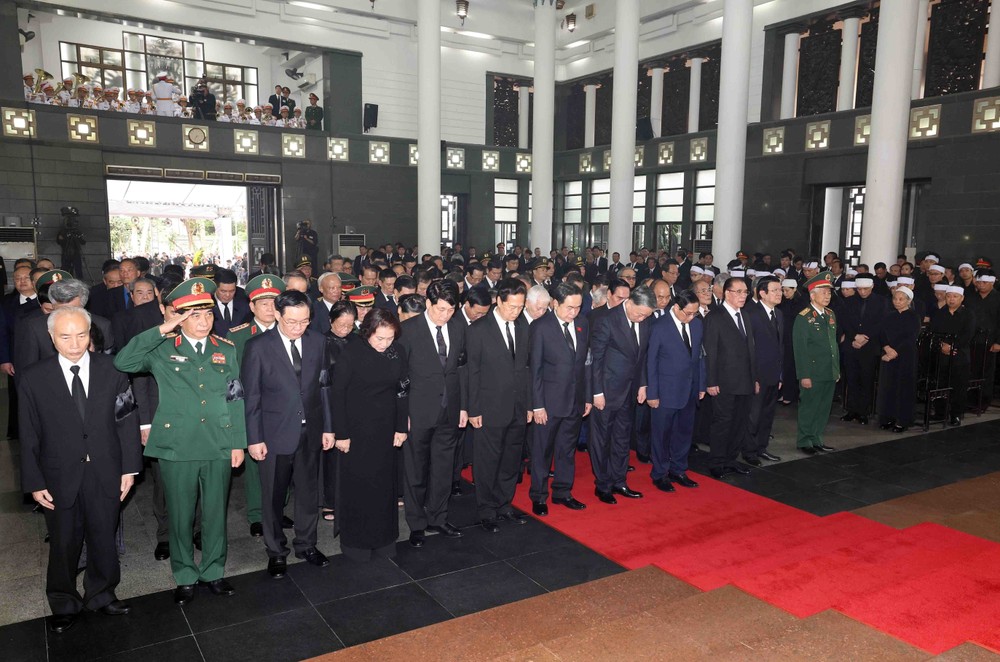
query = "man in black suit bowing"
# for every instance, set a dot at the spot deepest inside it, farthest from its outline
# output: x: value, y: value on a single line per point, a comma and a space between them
x: 499, y: 402
x: 619, y: 340
x: 769, y: 350
x: 561, y: 396
x: 285, y: 426
x: 435, y: 350
x: 731, y: 377
x: 80, y: 453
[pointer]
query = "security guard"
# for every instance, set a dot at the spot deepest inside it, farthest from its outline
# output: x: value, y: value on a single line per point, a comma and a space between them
x: 817, y: 363
x: 199, y: 431
x: 262, y: 290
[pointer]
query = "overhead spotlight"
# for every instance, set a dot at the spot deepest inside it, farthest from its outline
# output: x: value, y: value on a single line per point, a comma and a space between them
x: 25, y: 36
x: 462, y: 9
x: 571, y: 22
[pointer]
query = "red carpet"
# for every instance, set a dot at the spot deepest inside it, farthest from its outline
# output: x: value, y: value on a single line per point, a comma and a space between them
x: 928, y: 585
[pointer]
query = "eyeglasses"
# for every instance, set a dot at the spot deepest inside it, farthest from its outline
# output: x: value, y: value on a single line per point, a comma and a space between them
x: 628, y: 277
x: 295, y: 323
x: 739, y: 293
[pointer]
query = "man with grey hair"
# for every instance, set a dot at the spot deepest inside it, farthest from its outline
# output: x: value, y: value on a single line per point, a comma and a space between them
x: 718, y: 285
x: 537, y: 303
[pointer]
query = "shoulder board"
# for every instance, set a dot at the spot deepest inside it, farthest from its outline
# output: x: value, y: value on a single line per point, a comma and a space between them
x: 239, y: 328
x: 221, y: 339
x: 805, y: 312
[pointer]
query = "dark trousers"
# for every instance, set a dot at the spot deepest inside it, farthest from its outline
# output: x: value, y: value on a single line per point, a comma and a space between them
x: 93, y: 518
x: 641, y: 417
x: 762, y: 409
x: 277, y: 474
x: 730, y: 416
x: 11, y: 409
x: 160, y: 503
x: 959, y: 382
x: 464, y: 452
x: 429, y: 463
x: 860, y: 366
x: 703, y: 421
x: 497, y: 462
x: 673, y: 430
x: 554, y: 440
x: 610, y: 431
x: 328, y: 478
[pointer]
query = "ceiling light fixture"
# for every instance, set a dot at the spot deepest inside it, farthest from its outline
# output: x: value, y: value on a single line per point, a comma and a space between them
x: 571, y: 22
x: 462, y: 9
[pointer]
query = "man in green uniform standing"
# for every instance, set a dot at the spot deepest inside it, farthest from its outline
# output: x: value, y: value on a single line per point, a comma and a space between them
x: 817, y: 363
x: 198, y: 432
x: 262, y: 291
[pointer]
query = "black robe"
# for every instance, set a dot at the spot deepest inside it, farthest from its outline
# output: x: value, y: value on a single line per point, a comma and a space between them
x: 898, y: 378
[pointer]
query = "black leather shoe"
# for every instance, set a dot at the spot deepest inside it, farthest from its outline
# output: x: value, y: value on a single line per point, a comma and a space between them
x: 115, y: 608
x: 256, y: 530
x: 516, y: 518
x: 287, y: 522
x: 570, y: 503
x: 183, y: 594
x: 218, y: 587
x: 314, y: 557
x: 276, y: 566
x: 627, y: 493
x: 446, y: 530
x: 887, y: 426
x: 809, y: 450
x: 552, y: 474
x: 848, y: 417
x: 456, y: 488
x: 490, y: 526
x: 719, y: 473
x: 899, y: 428
x: 955, y: 421
x: 663, y: 485
x: 644, y: 459
x: 197, y: 541
x: 770, y: 457
x: 752, y: 461
x: 540, y: 509
x: 631, y: 468
x: 162, y: 551
x: 417, y: 538
x: 61, y: 622
x: 740, y: 469
x: 682, y: 480
x: 606, y: 497
x: 825, y: 449
x: 863, y: 420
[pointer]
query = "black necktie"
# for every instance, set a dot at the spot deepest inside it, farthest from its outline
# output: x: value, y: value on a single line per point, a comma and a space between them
x: 226, y: 315
x: 774, y: 323
x: 197, y: 348
x: 635, y: 336
x: 510, y: 341
x: 128, y: 299
x: 79, y: 395
x: 569, y: 337
x: 442, y: 348
x: 296, y: 360
x: 684, y: 334
x: 739, y: 323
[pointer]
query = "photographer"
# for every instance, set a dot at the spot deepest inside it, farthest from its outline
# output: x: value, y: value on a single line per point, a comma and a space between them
x: 307, y: 241
x: 202, y: 102
x: 70, y: 239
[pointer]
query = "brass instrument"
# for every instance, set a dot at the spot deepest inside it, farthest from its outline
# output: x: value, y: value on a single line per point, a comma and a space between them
x: 80, y: 79
x: 40, y: 77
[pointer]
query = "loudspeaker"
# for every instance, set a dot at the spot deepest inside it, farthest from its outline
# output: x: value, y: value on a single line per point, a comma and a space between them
x: 371, y: 116
x: 644, y: 129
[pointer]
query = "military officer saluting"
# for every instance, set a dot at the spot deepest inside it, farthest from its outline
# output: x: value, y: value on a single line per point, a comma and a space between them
x: 817, y: 362
x: 198, y: 433
x: 262, y: 291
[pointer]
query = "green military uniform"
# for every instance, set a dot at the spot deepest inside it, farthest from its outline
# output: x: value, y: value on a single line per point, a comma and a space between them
x: 817, y: 357
x: 314, y: 118
x: 199, y: 421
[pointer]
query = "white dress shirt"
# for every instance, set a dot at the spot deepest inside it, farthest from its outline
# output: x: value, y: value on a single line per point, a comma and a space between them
x: 444, y: 330
x: 204, y: 342
x: 84, y: 363
x: 502, y: 324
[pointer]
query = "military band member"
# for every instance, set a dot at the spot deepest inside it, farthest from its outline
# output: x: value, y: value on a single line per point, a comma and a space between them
x: 198, y: 433
x: 817, y: 363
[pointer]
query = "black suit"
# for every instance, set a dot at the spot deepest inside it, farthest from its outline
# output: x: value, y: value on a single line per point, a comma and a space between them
x: 500, y: 392
x: 81, y: 463
x: 862, y: 316
x: 99, y: 301
x: 239, y: 309
x: 560, y: 382
x: 387, y: 303
x: 320, y: 320
x: 618, y: 371
x: 436, y: 399
x: 34, y: 342
x: 730, y: 366
x: 116, y: 300
x: 277, y: 402
x: 602, y: 265
x: 769, y: 351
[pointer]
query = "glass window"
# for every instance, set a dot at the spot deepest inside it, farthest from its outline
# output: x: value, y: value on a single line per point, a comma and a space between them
x: 600, y: 202
x: 161, y: 46
x: 573, y: 203
x: 704, y: 207
x: 505, y: 185
x: 505, y: 211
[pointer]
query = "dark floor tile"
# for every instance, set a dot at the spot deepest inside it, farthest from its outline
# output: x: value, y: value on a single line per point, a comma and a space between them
x: 566, y: 566
x: 184, y: 649
x: 292, y: 635
x: 440, y: 555
x: 865, y: 488
x: 987, y: 460
x: 897, y: 453
x: 851, y: 462
x: 24, y: 641
x: 911, y: 479
x: 257, y: 595
x: 765, y: 483
x: 950, y: 468
x: 462, y: 511
x: 518, y: 539
x: 484, y: 587
x: 819, y: 502
x: 382, y: 614
x: 809, y: 471
x: 154, y: 619
x: 13, y: 502
x: 343, y: 578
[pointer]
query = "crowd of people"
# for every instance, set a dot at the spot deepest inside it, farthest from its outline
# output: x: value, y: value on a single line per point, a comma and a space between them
x: 165, y: 98
x: 369, y: 383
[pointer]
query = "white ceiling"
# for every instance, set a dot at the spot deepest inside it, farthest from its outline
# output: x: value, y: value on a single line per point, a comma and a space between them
x: 171, y: 200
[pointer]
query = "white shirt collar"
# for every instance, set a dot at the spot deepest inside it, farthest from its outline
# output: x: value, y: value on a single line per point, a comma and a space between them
x: 84, y: 363
x: 204, y: 341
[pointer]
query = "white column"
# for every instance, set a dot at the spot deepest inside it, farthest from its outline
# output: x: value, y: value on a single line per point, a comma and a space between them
x: 731, y: 151
x: 833, y: 208
x: 623, y: 125
x: 590, y: 114
x: 890, y: 125
x: 694, y: 95
x: 544, y: 125
x: 656, y: 100
x: 523, y: 115
x: 919, y: 56
x: 789, y: 72
x: 848, y: 62
x: 991, y: 67
x: 429, y: 132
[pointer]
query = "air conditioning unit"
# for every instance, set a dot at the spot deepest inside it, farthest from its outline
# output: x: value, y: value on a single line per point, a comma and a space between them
x: 309, y: 80
x: 16, y: 243
x: 348, y: 244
